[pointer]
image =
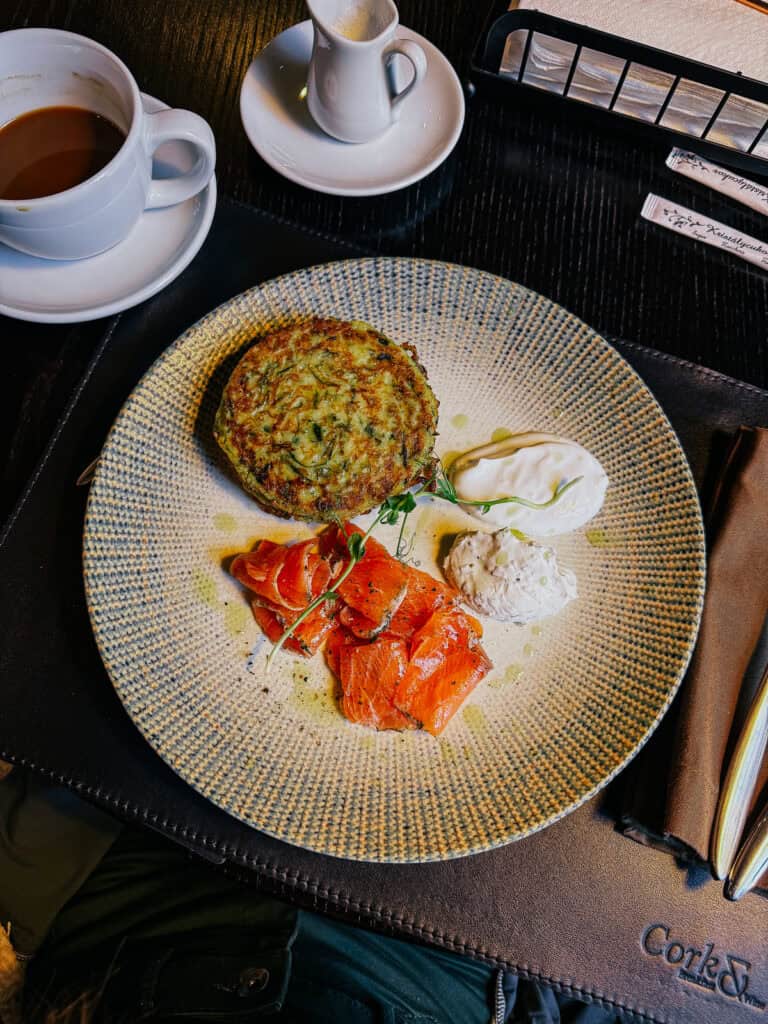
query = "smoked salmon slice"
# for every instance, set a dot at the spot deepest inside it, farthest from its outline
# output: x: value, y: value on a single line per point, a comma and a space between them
x: 258, y: 569
x: 423, y: 595
x: 308, y: 636
x: 337, y: 639
x: 360, y: 625
x: 405, y: 653
x: 446, y: 663
x: 370, y: 674
x: 269, y: 622
x: 285, y: 576
x: 284, y: 579
x: 377, y: 584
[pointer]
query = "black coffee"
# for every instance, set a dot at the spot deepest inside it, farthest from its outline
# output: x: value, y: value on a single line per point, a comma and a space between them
x: 52, y: 149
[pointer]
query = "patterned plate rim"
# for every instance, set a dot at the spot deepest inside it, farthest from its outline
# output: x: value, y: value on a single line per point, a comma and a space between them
x: 606, y: 349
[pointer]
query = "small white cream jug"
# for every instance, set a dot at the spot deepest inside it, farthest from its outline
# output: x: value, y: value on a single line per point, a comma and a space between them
x: 350, y: 90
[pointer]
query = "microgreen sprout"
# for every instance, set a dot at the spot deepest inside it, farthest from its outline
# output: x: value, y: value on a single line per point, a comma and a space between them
x: 445, y: 489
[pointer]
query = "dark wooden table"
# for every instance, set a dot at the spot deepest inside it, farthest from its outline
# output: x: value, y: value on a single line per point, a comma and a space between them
x: 529, y: 193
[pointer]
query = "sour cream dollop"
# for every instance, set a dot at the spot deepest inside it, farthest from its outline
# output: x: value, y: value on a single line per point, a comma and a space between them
x: 532, y: 466
x: 507, y: 578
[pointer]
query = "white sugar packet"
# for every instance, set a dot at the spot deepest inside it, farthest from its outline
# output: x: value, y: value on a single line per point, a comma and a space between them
x: 693, y: 225
x: 720, y: 179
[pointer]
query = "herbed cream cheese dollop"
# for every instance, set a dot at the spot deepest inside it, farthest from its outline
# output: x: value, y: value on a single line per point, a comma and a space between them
x: 509, y: 578
x: 532, y: 466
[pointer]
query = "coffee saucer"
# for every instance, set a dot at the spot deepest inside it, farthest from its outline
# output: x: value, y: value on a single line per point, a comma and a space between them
x: 159, y: 247
x: 280, y: 128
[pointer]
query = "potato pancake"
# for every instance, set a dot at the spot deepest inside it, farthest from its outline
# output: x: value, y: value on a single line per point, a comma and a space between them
x: 326, y: 418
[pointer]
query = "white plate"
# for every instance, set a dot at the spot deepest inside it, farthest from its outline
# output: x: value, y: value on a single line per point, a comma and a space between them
x: 282, y: 132
x: 156, y: 251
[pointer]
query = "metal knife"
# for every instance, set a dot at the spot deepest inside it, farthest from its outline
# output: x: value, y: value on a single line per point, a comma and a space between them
x: 740, y: 782
x: 752, y: 860
x: 757, y: 5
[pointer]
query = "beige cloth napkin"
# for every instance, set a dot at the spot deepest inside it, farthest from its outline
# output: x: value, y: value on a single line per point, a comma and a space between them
x: 710, y: 711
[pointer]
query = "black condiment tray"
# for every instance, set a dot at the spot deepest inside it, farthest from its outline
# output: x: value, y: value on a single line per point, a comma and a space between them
x: 485, y: 75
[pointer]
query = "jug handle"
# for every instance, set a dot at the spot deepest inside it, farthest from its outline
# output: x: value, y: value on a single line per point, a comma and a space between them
x: 418, y: 59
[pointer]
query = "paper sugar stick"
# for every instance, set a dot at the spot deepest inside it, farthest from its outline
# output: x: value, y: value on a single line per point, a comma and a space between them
x: 720, y: 179
x: 704, y: 229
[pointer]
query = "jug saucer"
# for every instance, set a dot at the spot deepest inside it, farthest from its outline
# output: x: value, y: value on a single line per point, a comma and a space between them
x: 280, y: 128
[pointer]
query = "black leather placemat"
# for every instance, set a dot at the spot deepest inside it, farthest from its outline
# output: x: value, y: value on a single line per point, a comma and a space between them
x: 577, y: 904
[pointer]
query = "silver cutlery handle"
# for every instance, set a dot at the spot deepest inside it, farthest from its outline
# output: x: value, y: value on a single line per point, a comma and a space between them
x: 752, y: 860
x: 740, y: 782
x: 757, y: 5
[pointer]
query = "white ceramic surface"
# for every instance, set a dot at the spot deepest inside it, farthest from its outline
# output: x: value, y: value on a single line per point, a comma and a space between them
x: 48, y: 67
x: 160, y: 245
x: 350, y: 92
x: 277, y: 122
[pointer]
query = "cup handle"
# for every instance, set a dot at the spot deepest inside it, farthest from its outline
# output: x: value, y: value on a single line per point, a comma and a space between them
x: 418, y: 59
x: 170, y: 125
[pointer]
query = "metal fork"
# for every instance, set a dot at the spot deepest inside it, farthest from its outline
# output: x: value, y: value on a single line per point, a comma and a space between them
x: 752, y: 860
x: 735, y: 798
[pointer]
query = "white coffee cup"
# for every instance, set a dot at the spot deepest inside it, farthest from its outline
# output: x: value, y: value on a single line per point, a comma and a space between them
x: 349, y: 89
x: 50, y: 68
